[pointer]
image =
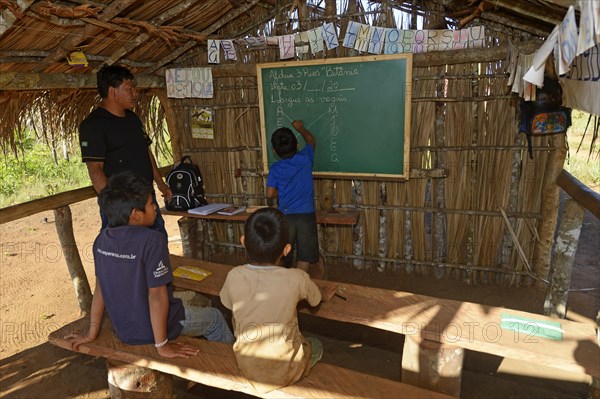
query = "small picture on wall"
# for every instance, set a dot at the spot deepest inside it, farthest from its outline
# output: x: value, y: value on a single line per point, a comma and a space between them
x: 202, y: 124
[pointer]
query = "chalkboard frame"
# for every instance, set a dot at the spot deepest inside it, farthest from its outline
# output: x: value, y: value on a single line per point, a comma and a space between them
x: 402, y: 174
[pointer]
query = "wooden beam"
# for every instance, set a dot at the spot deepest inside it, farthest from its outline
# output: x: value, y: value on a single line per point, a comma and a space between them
x: 130, y: 45
x: 34, y: 56
x: 177, y: 9
x: 212, y: 28
x: 502, y: 19
x: 106, y: 25
x: 519, y: 7
x: 56, y: 201
x: 171, y: 56
x: 437, y: 58
x: 8, y: 17
x: 581, y: 193
x: 49, y: 81
x: 45, y: 204
x: 74, y: 39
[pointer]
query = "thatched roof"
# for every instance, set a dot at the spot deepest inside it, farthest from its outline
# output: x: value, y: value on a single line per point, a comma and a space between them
x: 150, y: 35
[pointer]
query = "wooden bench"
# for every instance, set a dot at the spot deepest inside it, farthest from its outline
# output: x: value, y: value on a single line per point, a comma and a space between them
x: 197, y: 236
x: 452, y: 323
x: 215, y: 366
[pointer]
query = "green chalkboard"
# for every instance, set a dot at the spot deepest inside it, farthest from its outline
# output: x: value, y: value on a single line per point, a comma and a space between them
x: 358, y: 109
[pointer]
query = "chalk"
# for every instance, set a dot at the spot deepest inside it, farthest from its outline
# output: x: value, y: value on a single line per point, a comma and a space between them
x: 343, y: 297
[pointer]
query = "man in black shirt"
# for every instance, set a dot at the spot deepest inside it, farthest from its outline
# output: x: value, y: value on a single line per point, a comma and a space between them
x: 113, y: 140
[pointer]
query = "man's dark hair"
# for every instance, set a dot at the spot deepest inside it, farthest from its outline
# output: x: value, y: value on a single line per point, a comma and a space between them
x: 266, y: 233
x: 284, y: 142
x: 123, y: 193
x: 111, y: 76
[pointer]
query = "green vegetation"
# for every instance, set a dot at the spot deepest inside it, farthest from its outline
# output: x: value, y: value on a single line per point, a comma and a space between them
x: 35, y: 173
x: 584, y: 163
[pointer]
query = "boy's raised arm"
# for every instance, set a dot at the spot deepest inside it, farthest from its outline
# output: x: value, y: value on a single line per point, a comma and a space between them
x: 308, y: 136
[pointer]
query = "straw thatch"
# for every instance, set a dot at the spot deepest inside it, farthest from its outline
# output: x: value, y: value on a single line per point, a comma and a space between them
x: 447, y: 227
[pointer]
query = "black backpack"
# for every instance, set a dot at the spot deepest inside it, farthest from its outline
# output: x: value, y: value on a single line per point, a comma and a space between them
x: 185, y: 181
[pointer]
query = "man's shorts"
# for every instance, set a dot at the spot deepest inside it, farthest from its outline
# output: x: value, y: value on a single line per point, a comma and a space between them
x: 303, y: 237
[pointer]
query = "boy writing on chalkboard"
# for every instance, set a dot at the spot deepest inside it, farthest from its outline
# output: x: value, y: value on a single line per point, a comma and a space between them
x: 291, y: 181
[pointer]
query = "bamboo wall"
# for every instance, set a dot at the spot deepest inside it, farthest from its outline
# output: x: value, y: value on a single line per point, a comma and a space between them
x: 464, y: 121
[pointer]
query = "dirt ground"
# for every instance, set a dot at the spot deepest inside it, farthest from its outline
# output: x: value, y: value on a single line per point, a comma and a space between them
x: 37, y: 297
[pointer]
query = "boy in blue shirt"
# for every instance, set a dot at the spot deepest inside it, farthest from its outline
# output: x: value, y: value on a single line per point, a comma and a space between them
x: 291, y: 181
x: 133, y: 278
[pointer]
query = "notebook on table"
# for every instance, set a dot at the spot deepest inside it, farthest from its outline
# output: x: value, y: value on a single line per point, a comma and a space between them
x: 208, y: 209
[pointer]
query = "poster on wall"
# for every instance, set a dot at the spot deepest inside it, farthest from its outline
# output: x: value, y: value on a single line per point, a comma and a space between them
x: 202, y: 123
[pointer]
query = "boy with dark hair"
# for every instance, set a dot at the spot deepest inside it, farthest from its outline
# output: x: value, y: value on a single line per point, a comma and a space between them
x: 133, y: 278
x: 290, y: 179
x: 113, y: 140
x: 269, y: 349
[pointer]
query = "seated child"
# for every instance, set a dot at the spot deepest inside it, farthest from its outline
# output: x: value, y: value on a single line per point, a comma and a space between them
x: 133, y: 278
x: 270, y: 350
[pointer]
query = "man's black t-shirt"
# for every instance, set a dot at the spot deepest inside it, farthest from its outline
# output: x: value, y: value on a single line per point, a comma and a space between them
x: 119, y: 142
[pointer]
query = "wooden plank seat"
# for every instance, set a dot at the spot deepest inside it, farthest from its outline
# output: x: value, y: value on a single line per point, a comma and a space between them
x: 215, y: 366
x: 460, y: 324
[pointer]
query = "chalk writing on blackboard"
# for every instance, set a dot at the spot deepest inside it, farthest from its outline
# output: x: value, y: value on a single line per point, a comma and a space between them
x: 358, y: 108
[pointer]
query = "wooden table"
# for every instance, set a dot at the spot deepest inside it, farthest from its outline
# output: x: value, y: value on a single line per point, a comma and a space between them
x: 197, y: 235
x: 323, y: 217
x: 452, y: 324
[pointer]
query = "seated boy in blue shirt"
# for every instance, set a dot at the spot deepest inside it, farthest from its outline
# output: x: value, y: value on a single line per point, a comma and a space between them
x: 290, y: 179
x: 133, y: 278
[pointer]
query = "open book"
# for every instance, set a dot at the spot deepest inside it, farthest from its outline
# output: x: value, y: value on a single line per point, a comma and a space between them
x: 208, y: 209
x: 232, y: 210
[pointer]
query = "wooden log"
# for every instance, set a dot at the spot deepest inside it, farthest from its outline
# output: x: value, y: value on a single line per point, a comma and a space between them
x: 64, y: 227
x: 584, y: 195
x: 562, y: 262
x: 432, y: 365
x: 25, y: 209
x: 128, y: 381
x: 49, y: 81
x: 29, y: 208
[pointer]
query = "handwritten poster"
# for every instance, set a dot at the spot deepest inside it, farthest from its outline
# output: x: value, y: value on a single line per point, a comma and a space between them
x: 189, y: 83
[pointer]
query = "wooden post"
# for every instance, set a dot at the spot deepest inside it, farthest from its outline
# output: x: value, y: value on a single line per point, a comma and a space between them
x: 562, y: 262
x: 128, y: 381
x: 64, y: 227
x: 357, y: 236
x: 595, y: 387
x: 192, y: 237
x: 432, y: 365
x: 382, y: 250
x: 550, y: 201
x: 438, y: 187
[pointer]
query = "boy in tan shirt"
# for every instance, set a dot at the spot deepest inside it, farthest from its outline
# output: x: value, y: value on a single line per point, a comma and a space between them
x: 270, y: 350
